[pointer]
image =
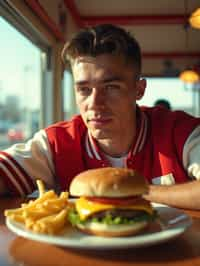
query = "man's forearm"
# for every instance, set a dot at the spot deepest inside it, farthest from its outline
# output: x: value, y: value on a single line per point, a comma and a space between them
x: 185, y: 195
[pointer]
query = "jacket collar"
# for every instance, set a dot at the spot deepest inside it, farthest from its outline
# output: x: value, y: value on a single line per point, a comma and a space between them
x: 94, y: 151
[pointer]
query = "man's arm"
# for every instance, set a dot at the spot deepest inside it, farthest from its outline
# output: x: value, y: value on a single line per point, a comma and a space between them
x: 3, y: 189
x: 186, y: 195
x: 23, y: 163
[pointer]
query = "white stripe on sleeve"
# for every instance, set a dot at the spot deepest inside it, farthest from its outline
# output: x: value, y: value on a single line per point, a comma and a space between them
x: 191, y: 154
x: 19, y: 174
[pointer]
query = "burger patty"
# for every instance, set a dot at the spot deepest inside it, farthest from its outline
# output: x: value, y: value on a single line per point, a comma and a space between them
x: 129, y: 214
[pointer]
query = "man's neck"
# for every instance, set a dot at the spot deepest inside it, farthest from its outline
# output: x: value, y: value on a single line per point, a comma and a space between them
x: 117, y: 146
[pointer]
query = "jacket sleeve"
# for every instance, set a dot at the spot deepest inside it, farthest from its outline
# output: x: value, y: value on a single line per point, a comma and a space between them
x: 191, y: 154
x: 23, y: 163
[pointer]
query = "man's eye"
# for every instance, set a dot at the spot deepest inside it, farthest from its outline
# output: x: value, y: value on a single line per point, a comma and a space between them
x: 112, y: 87
x: 84, y: 90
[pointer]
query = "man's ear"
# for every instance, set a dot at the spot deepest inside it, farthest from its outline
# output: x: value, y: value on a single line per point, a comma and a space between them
x: 140, y: 88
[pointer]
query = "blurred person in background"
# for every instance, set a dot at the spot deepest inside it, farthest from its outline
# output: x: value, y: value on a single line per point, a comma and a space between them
x: 163, y: 103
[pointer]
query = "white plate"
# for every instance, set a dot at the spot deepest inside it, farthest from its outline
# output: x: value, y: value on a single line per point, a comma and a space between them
x: 175, y: 222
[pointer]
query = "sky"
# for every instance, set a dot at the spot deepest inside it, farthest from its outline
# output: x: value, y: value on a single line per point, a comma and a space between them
x: 19, y: 66
x: 20, y: 74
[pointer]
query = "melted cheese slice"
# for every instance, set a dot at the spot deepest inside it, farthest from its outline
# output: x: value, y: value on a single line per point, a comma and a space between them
x: 85, y: 208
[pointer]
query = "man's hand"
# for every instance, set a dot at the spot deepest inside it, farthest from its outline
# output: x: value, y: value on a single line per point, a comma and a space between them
x: 185, y: 195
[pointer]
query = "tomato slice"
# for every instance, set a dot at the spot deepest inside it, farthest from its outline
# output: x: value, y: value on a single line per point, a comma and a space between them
x: 116, y: 201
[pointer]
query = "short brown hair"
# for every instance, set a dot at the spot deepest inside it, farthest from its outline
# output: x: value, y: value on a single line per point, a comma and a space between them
x: 102, y: 39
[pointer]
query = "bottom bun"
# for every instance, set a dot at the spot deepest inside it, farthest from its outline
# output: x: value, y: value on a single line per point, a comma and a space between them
x: 99, y: 229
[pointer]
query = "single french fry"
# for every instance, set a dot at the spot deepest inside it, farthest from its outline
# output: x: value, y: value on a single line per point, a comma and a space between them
x: 53, y: 208
x: 35, y: 214
x: 36, y: 228
x: 17, y: 218
x: 13, y: 211
x: 47, y: 219
x: 58, y: 203
x: 23, y: 205
x: 41, y: 188
x: 39, y: 206
x: 29, y: 223
x: 55, y: 201
x: 64, y: 195
x: 58, y: 221
x: 60, y: 217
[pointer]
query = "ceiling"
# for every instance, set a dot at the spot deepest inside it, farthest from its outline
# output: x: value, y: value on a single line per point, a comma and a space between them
x: 160, y: 26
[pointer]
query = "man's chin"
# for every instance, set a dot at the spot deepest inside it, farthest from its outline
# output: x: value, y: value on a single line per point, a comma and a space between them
x: 99, y: 134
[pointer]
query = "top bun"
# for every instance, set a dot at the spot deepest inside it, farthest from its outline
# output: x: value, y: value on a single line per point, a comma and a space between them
x: 108, y: 182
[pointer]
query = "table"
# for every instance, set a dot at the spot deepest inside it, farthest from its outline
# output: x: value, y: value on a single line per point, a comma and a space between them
x: 14, y: 250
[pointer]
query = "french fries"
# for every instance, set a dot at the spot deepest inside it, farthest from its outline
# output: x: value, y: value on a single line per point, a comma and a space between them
x: 47, y: 214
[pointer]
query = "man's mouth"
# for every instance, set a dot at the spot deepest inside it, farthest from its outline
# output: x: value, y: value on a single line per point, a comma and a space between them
x: 99, y: 120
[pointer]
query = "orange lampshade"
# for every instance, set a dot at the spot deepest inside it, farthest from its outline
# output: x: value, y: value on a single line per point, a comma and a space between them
x: 189, y: 76
x: 195, y: 19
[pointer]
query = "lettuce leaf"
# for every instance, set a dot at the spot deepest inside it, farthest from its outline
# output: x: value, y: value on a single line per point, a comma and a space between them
x: 74, y: 218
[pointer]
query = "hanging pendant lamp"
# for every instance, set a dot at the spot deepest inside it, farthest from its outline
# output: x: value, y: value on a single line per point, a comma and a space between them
x: 189, y: 76
x: 195, y: 19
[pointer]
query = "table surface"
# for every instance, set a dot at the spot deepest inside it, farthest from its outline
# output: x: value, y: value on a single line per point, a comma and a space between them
x: 15, y: 250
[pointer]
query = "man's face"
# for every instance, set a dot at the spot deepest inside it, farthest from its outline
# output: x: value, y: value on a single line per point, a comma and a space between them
x: 106, y: 92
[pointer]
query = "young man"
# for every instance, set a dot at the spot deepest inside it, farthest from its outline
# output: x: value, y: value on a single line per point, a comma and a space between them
x: 111, y: 129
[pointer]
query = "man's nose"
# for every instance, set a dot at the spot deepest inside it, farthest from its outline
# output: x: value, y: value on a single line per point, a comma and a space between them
x: 97, y: 97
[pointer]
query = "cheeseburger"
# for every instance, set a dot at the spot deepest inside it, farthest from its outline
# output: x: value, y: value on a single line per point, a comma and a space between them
x: 110, y: 202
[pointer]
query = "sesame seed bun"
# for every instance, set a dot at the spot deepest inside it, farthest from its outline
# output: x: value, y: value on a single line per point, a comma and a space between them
x: 108, y: 182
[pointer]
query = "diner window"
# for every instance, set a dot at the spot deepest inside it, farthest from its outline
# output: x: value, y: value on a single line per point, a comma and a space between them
x: 69, y: 101
x: 21, y: 79
x: 174, y: 91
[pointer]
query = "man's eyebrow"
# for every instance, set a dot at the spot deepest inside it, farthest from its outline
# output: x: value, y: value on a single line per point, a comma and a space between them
x: 103, y: 80
x: 111, y: 79
x: 81, y: 82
